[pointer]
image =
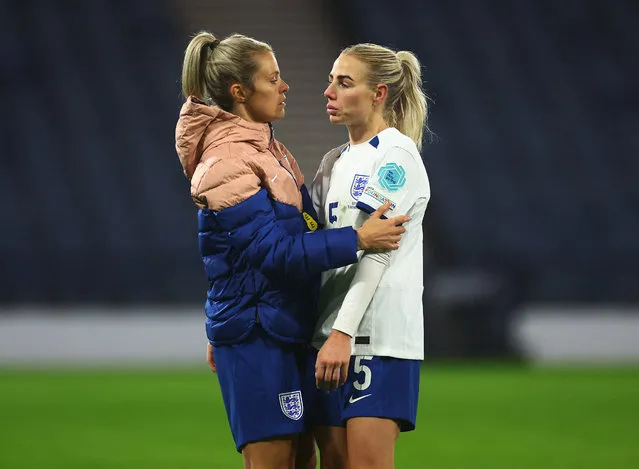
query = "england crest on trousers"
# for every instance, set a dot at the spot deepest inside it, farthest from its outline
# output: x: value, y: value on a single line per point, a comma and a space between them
x: 292, y: 405
x: 358, y: 185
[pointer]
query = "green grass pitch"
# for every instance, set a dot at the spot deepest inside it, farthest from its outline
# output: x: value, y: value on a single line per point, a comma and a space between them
x: 469, y: 417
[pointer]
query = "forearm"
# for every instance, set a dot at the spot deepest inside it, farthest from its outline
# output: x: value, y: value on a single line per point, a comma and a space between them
x: 265, y: 242
x: 369, y: 273
x: 305, y: 254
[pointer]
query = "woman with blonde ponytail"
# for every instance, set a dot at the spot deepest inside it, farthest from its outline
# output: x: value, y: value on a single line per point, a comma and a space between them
x: 259, y: 241
x: 370, y: 334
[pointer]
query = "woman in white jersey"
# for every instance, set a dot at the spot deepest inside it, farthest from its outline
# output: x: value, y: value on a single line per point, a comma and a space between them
x: 370, y: 332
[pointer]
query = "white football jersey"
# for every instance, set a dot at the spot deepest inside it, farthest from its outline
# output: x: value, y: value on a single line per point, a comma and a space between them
x: 352, y: 182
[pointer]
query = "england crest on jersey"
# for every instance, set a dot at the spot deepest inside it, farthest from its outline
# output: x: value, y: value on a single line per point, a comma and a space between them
x: 358, y: 185
x: 292, y: 404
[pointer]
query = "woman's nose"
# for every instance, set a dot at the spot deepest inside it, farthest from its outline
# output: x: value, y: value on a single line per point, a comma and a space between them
x: 328, y: 92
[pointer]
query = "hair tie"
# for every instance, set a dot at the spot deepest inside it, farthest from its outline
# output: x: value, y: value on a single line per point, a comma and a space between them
x: 213, y: 45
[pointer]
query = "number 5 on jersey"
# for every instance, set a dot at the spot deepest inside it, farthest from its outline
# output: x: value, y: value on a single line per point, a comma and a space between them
x: 332, y: 218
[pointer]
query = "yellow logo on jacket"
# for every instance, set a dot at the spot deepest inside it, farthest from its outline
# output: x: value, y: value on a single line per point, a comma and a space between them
x: 310, y: 223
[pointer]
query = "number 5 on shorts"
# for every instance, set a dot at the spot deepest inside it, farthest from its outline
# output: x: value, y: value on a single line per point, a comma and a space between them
x: 359, y: 368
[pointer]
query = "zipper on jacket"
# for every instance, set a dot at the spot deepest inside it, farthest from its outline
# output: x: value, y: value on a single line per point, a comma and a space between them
x: 270, y: 149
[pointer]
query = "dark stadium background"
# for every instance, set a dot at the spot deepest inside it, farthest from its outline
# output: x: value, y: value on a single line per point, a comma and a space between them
x: 531, y: 237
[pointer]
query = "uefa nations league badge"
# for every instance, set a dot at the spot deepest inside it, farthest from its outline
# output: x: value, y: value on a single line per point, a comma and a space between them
x: 392, y: 177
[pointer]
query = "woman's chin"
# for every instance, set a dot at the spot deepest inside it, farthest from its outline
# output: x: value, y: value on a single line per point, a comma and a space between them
x: 278, y: 115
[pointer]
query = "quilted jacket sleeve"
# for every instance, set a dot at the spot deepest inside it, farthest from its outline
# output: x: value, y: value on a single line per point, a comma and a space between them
x: 253, y: 228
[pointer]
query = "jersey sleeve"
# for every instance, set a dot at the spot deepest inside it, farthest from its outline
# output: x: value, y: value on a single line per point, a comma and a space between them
x: 318, y: 194
x: 369, y: 272
x: 321, y: 182
x: 399, y: 179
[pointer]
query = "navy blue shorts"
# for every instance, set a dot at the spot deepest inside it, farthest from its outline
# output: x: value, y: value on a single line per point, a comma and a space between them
x: 376, y: 387
x: 382, y: 387
x: 261, y: 380
x: 323, y: 408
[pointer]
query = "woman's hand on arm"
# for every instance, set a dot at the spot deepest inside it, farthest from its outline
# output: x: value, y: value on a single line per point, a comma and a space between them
x: 381, y: 234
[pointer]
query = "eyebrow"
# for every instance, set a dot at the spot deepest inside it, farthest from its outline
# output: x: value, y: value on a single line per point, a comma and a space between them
x: 340, y: 77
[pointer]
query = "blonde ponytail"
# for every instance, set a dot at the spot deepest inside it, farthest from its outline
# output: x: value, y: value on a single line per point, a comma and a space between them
x: 211, y: 66
x: 406, y: 106
x: 193, y: 68
x: 411, y: 108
